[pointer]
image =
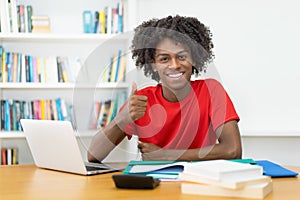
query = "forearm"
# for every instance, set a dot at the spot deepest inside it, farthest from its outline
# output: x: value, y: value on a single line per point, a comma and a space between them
x: 104, y: 142
x: 217, y: 151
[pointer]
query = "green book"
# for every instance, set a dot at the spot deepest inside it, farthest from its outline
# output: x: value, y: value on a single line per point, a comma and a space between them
x: 29, y: 15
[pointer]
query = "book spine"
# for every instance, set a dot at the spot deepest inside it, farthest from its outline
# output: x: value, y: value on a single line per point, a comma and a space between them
x: 1, y: 63
x: 29, y: 15
x: 87, y: 17
x: 3, y: 156
x: 7, y: 115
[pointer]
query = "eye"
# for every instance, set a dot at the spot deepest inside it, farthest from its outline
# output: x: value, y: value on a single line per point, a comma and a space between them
x: 182, y: 57
x: 163, y: 59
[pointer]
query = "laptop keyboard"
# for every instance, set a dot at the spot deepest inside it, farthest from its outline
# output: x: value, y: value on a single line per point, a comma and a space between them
x: 92, y: 168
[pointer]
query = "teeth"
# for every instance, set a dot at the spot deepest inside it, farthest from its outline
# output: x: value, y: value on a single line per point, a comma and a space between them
x: 175, y: 75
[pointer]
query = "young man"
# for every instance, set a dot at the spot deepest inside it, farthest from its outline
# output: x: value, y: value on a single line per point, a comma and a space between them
x: 178, y: 119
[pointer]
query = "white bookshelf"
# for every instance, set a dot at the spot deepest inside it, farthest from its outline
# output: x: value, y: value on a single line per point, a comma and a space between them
x: 67, y: 39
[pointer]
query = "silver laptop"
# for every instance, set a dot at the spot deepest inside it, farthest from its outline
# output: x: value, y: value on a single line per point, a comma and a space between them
x: 53, y: 145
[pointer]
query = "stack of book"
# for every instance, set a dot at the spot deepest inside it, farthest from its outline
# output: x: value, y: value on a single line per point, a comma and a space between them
x: 225, y: 178
x: 40, y: 24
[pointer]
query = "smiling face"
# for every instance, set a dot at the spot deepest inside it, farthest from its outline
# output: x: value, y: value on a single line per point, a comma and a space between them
x: 173, y: 63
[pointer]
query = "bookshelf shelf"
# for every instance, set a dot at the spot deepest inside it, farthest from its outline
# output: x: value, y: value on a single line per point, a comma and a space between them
x: 18, y: 86
x: 20, y: 134
x: 51, y: 37
x: 11, y: 135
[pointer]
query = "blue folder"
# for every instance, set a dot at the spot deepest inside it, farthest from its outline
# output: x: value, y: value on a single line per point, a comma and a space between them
x: 274, y: 170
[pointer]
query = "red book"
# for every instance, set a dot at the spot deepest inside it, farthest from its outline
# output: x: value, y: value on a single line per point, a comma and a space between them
x: 3, y: 159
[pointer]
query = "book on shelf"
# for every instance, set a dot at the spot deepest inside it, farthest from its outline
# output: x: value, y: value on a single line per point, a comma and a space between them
x: 94, y: 115
x: 40, y: 24
x: 4, y: 16
x: 103, y: 112
x: 9, y: 156
x: 87, y: 17
x: 116, y: 69
x: 108, y: 20
x: 18, y: 67
x: 1, y: 62
x: 3, y: 156
x: 15, y: 17
x: 96, y: 22
x: 257, y: 191
x: 28, y: 15
x: 13, y: 110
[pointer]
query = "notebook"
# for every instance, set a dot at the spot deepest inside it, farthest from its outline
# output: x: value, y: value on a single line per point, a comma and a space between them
x: 53, y: 145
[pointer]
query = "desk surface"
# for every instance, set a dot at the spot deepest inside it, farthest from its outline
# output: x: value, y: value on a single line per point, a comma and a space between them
x: 30, y: 182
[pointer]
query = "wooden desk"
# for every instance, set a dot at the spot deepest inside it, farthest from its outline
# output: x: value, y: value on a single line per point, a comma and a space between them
x: 29, y: 182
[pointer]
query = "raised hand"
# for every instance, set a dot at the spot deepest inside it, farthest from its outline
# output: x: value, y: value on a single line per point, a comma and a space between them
x: 137, y: 104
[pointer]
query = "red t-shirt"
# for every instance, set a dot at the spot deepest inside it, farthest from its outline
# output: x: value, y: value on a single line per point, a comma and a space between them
x: 188, y: 124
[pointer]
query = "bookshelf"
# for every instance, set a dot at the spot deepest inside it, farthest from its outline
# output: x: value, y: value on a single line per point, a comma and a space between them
x: 67, y: 39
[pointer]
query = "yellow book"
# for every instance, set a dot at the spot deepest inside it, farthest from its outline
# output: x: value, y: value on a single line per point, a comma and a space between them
x: 14, y: 156
x: 102, y: 20
x: 110, y: 113
x: 4, y: 74
x: 38, y: 67
x: 42, y: 105
x: 122, y: 69
x: 114, y: 68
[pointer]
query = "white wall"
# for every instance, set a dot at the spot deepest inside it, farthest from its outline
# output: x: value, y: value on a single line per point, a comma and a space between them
x: 257, y: 57
x: 256, y: 48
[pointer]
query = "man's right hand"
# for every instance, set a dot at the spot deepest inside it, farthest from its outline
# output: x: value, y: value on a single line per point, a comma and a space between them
x: 137, y: 104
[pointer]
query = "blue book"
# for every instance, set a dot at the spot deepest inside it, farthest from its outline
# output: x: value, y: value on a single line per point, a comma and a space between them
x: 275, y: 170
x: 58, y: 108
x: 19, y: 67
x: 87, y: 17
x: 30, y: 69
x: 162, y: 169
x: 7, y: 115
x: 96, y: 22
x: 118, y: 66
x: 9, y: 66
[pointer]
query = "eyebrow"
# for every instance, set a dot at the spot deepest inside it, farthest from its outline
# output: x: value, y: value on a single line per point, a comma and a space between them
x: 166, y: 54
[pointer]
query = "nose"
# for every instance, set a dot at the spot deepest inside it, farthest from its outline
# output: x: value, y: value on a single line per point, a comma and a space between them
x: 174, y: 63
